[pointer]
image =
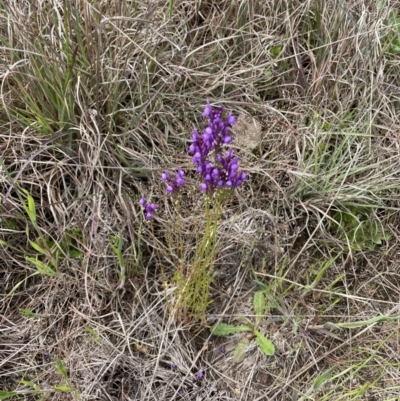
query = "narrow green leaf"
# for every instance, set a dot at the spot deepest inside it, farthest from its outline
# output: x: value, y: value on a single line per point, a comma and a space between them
x: 16, y: 286
x: 28, y: 313
x: 240, y: 351
x: 223, y: 329
x: 30, y: 384
x: 368, y: 322
x: 322, y: 379
x: 320, y: 274
x: 259, y: 305
x: 264, y: 344
x: 27, y: 383
x: 63, y: 388
x: 7, y: 394
x: 41, y: 267
x: 61, y: 368
x: 30, y: 208
x: 38, y: 248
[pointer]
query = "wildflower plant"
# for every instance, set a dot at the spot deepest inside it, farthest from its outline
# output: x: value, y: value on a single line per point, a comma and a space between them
x: 219, y: 172
x: 251, y: 328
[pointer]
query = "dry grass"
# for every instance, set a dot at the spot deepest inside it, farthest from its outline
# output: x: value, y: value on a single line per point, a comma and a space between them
x: 97, y: 98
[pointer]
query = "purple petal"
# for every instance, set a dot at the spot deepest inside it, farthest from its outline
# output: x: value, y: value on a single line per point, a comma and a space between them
x: 208, y: 110
x: 179, y: 182
x: 227, y: 140
x: 231, y: 120
x: 234, y: 167
x: 199, y: 375
x: 195, y: 136
x: 197, y: 157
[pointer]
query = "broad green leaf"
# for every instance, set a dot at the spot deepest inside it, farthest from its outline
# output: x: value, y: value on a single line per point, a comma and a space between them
x: 223, y: 329
x: 240, y: 351
x: 61, y: 368
x: 259, y: 305
x: 322, y: 379
x: 264, y: 344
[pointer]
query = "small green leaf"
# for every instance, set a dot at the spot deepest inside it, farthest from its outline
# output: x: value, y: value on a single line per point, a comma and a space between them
x: 61, y: 368
x: 223, y: 329
x: 28, y: 313
x: 63, y: 388
x: 259, y: 305
x: 264, y: 344
x: 93, y: 334
x: 275, y: 51
x: 75, y: 253
x: 240, y: 351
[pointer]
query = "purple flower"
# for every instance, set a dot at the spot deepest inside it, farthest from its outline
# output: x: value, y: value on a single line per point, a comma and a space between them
x: 174, y: 366
x: 224, y: 171
x: 148, y: 209
x: 199, y: 375
x: 173, y: 185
